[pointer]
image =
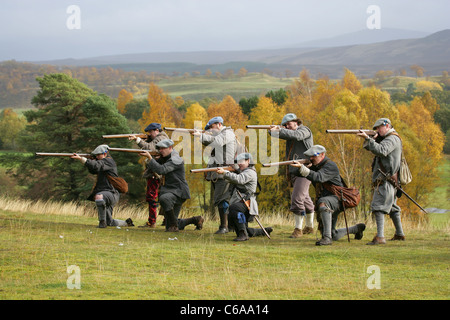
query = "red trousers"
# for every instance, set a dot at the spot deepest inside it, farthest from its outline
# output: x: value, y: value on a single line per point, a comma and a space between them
x: 151, y: 196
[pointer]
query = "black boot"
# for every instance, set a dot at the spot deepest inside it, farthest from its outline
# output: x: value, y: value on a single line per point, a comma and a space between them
x: 361, y: 227
x: 223, y: 228
x: 242, y: 235
x: 171, y: 222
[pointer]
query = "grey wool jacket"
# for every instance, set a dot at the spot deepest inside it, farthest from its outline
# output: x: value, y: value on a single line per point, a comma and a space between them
x: 172, y: 168
x: 151, y: 146
x: 297, y: 142
x: 102, y: 168
x: 246, y: 182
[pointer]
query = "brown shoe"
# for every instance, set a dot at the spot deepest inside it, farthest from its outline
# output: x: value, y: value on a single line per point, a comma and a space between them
x: 198, y: 223
x: 377, y: 240
x: 296, y: 234
x: 307, y: 230
x: 396, y: 237
x: 148, y: 225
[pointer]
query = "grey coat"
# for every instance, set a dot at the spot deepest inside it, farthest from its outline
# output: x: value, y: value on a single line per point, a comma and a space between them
x: 102, y: 168
x: 150, y: 145
x: 223, y: 146
x: 388, y: 152
x: 172, y: 167
x: 297, y: 142
x: 246, y: 182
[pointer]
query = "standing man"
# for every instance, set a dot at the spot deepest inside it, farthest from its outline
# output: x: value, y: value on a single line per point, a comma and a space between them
x: 299, y: 138
x: 244, y: 183
x: 154, y: 135
x: 174, y: 190
x: 223, y: 142
x: 103, y: 193
x: 386, y: 145
x: 323, y: 173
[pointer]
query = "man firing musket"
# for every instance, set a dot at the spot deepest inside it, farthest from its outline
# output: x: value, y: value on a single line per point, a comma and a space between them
x: 243, y: 206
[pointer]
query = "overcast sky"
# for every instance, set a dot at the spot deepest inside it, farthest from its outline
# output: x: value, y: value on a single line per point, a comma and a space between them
x: 37, y: 29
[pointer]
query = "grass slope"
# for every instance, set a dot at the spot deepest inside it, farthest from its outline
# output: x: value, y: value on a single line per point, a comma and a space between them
x: 132, y: 263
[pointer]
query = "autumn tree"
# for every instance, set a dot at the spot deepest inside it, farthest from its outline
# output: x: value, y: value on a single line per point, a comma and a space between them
x: 68, y: 117
x: 161, y: 109
x: 230, y: 111
x: 10, y: 127
x: 351, y: 82
x: 124, y: 98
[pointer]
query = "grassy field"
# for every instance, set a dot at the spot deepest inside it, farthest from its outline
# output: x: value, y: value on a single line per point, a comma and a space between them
x: 131, y: 263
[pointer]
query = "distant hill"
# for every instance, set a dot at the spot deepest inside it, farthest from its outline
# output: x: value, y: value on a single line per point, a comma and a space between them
x: 431, y: 52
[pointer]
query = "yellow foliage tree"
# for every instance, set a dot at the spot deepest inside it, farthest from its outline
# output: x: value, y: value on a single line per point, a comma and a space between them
x: 230, y: 111
x: 195, y: 113
x: 124, y: 98
x: 426, y: 86
x: 350, y: 82
x: 161, y: 109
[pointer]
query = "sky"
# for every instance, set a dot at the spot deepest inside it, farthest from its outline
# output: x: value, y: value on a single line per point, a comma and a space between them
x: 33, y: 30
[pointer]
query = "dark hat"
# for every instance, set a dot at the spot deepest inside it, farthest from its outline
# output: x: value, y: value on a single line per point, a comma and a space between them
x: 315, y: 150
x: 164, y: 144
x: 153, y: 126
x: 212, y: 121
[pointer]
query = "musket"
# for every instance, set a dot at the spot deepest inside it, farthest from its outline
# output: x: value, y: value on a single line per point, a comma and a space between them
x: 125, y: 135
x: 255, y: 216
x: 282, y: 163
x: 391, y: 181
x: 261, y: 126
x: 353, y: 131
x: 54, y: 154
x: 153, y: 153
x: 212, y: 169
x: 183, y: 130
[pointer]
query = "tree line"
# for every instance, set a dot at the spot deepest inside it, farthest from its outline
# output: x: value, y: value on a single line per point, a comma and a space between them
x: 71, y: 117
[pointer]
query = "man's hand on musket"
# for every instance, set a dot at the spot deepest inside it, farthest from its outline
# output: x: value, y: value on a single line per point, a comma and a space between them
x: 221, y: 170
x: 274, y: 128
x: 132, y: 137
x: 196, y: 133
x: 304, y: 171
x: 146, y: 154
x: 78, y: 157
x: 364, y: 135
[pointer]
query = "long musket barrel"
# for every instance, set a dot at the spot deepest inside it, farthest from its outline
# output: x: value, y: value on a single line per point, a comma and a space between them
x: 352, y: 131
x: 182, y: 129
x: 55, y: 154
x: 213, y: 169
x: 153, y: 153
x: 125, y: 135
x: 283, y: 163
x: 261, y: 126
